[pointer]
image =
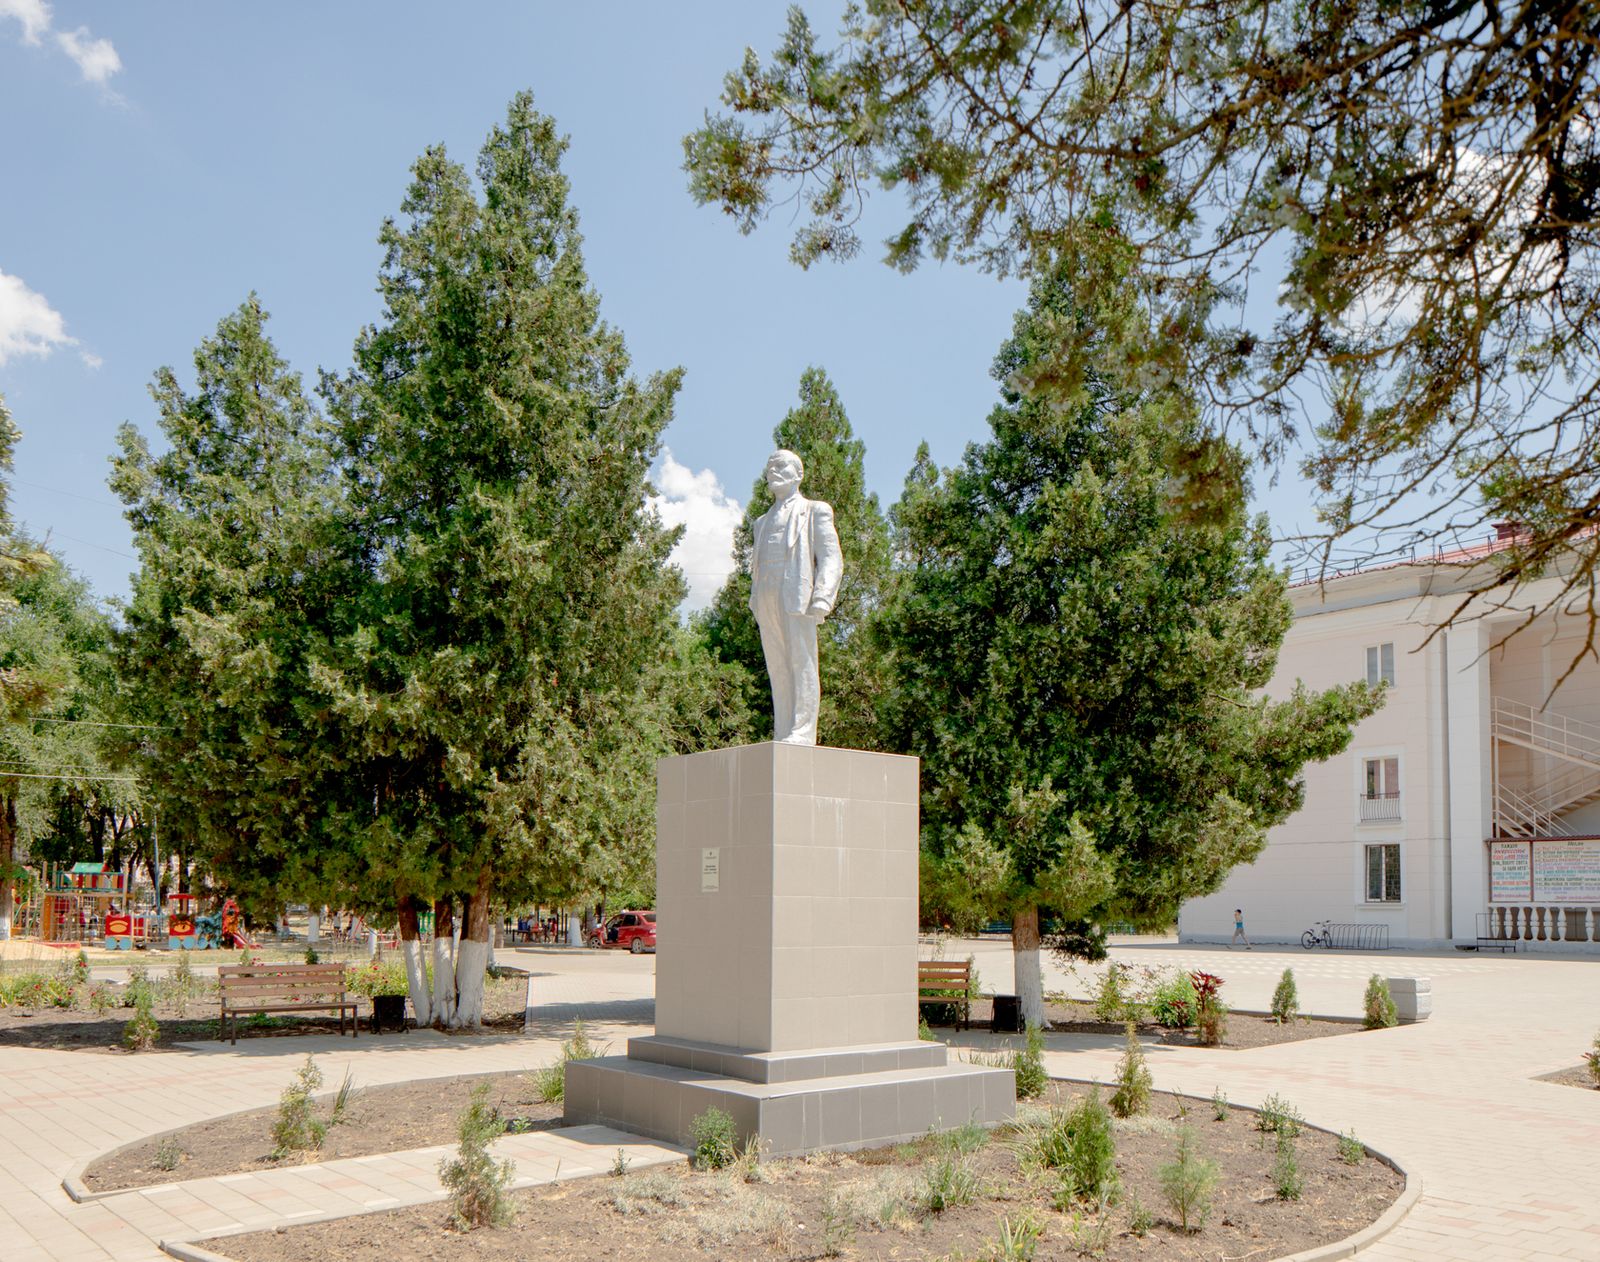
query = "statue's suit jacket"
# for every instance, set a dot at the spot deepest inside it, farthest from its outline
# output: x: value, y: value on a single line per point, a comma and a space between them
x: 813, y: 564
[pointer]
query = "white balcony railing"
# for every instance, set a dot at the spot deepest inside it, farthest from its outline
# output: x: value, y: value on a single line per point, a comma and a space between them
x: 1376, y: 808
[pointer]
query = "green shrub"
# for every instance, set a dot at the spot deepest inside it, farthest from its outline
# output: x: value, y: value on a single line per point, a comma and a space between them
x: 311, y: 955
x: 713, y: 1138
x: 924, y: 1030
x: 1027, y: 1063
x: 475, y: 1180
x: 1286, y: 999
x: 551, y: 1081
x: 142, y: 1029
x: 168, y: 1154
x: 1219, y: 1105
x: 948, y: 1183
x: 1351, y: 1150
x: 1110, y: 1003
x: 1286, y: 1178
x: 1189, y: 1182
x: 1132, y: 1095
x: 1091, y: 1151
x: 1140, y: 1219
x: 101, y: 1000
x: 80, y: 967
x: 1379, y: 1004
x: 297, y: 1128
x: 1592, y: 1059
x: 1174, y: 1002
x: 1278, y: 1117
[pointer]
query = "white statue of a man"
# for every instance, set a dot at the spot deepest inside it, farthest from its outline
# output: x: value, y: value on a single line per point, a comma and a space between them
x: 795, y: 567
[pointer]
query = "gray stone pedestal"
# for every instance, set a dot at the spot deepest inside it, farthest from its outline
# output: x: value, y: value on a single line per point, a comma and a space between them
x: 786, y: 961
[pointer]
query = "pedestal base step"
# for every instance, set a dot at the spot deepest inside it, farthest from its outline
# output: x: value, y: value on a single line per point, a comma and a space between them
x: 844, y: 1111
x: 814, y: 1062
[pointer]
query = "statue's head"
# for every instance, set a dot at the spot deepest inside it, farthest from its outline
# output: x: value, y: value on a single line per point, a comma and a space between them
x: 784, y: 471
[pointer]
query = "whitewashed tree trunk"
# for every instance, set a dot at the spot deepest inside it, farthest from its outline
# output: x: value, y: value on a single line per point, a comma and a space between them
x: 417, y: 982
x: 471, y: 961
x: 1029, y: 977
x: 472, y: 956
x: 416, y: 971
x: 313, y: 928
x: 575, y: 928
x: 444, y: 979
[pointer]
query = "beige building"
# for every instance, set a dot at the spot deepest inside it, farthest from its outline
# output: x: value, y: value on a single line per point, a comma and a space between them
x: 1469, y: 806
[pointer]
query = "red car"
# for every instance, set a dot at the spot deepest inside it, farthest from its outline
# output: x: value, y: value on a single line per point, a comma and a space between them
x: 629, y: 930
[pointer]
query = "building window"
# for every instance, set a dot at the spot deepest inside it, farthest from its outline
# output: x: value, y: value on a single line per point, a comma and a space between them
x: 1380, y: 793
x: 1383, y: 874
x: 1380, y: 664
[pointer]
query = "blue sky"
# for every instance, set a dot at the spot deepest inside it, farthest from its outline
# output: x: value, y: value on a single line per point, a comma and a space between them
x: 162, y: 161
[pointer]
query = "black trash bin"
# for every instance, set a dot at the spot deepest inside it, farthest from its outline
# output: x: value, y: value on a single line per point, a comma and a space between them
x: 1007, y: 1015
x: 388, y: 1013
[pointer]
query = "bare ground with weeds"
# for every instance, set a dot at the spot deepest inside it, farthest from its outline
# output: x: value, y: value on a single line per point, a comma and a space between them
x: 380, y: 1119
x: 876, y: 1205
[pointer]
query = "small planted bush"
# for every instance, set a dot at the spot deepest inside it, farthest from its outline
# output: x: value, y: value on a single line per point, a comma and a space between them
x: 1091, y: 1154
x: 142, y: 1029
x: 476, y: 1182
x: 1278, y: 1117
x: 1287, y: 1180
x: 712, y: 1133
x: 1027, y: 1063
x: 168, y: 1154
x: 1351, y: 1150
x: 1379, y: 1003
x: 1110, y: 1002
x: 1286, y: 999
x: 1174, y: 1002
x: 1189, y: 1182
x: 1211, y: 1014
x: 297, y: 1128
x: 1132, y: 1095
x: 551, y: 1081
x: 1219, y: 1105
x: 1592, y: 1060
x: 80, y: 968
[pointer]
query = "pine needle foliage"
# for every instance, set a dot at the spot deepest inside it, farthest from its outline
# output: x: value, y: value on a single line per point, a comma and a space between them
x: 476, y: 1182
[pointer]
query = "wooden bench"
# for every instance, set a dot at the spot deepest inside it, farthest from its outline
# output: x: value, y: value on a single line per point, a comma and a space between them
x: 946, y: 982
x: 247, y: 989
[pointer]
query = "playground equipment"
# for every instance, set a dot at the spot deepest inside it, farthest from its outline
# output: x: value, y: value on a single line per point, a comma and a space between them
x: 77, y: 900
x: 231, y: 929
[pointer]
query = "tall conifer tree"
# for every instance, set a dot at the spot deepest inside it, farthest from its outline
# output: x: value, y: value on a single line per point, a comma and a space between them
x: 1078, y: 646
x: 518, y: 596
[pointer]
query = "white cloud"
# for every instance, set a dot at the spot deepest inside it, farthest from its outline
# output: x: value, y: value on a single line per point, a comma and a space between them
x: 708, y: 515
x: 29, y: 325
x: 97, y: 58
x: 33, y: 14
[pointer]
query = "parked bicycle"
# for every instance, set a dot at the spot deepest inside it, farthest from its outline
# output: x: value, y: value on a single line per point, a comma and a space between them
x: 1311, y: 938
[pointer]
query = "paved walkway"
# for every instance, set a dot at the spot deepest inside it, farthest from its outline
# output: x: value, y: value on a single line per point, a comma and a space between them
x: 1507, y: 1163
x: 58, y: 1109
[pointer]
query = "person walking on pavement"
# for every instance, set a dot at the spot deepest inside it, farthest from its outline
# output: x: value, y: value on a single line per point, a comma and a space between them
x: 1238, y: 930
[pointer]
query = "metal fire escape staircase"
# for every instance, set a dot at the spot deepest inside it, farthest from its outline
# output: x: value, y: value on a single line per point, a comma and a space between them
x: 1538, y: 811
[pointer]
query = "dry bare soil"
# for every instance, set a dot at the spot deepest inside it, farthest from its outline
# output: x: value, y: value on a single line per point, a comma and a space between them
x: 878, y: 1205
x: 376, y: 1120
